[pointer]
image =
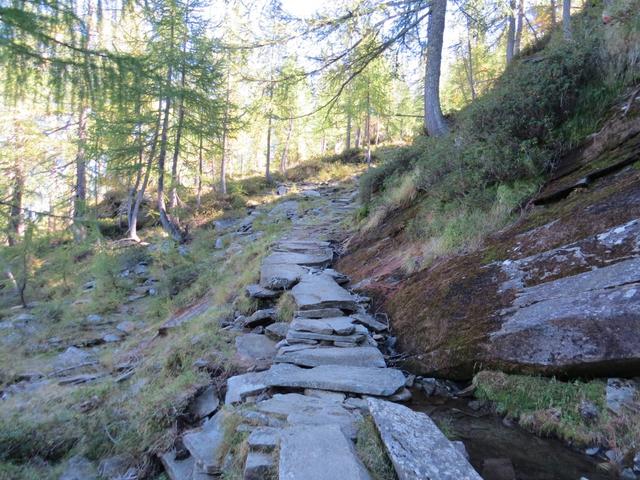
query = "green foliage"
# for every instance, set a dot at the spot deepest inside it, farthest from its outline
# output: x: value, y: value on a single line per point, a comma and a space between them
x: 111, y: 287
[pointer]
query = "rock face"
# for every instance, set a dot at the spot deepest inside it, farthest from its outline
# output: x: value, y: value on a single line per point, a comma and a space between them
x: 416, y: 447
x: 557, y: 292
x: 305, y: 451
x: 362, y: 380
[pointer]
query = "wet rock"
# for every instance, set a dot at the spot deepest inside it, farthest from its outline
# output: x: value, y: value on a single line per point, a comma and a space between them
x: 416, y: 447
x: 258, y: 466
x: 257, y: 291
x: 498, y: 469
x: 313, y: 357
x: 206, y: 444
x: 362, y: 380
x: 304, y: 451
x: 205, y: 404
x: 620, y: 393
x: 277, y: 331
x: 321, y: 291
x: 79, y: 468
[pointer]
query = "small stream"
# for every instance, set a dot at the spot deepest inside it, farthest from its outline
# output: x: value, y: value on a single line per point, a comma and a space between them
x: 486, y: 436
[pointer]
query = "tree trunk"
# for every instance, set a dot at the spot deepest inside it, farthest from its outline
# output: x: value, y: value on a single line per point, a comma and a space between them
x: 348, y: 139
x: 133, y: 216
x: 225, y: 133
x: 173, y: 199
x: 358, y: 136
x: 511, y: 31
x: 519, y: 27
x: 199, y: 191
x: 16, y: 213
x: 434, y: 121
x: 368, y: 125
x: 566, y: 19
x: 269, y: 125
x: 285, y: 150
x: 553, y: 13
x: 80, y: 197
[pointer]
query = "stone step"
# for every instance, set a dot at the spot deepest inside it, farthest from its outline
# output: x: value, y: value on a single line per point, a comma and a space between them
x: 258, y: 466
x: 240, y: 387
x: 416, y: 446
x: 315, y: 292
x: 319, y: 452
x: 327, y: 326
x: 316, y: 258
x: 206, y: 443
x: 280, y: 276
x: 365, y: 356
x: 181, y: 469
x: 337, y: 378
x: 253, y: 349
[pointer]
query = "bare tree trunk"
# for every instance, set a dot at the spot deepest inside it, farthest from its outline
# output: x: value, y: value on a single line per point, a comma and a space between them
x: 553, y: 13
x: 566, y: 19
x: 269, y: 125
x: 368, y: 125
x: 348, y: 139
x: 519, y: 27
x: 80, y: 197
x: 285, y: 151
x: 173, y: 199
x: 16, y: 213
x: 199, y: 191
x: 225, y: 134
x: 511, y: 31
x: 434, y: 121
x: 358, y: 136
x: 133, y: 216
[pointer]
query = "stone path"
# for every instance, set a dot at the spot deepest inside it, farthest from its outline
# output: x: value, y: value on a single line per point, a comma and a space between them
x: 304, y: 402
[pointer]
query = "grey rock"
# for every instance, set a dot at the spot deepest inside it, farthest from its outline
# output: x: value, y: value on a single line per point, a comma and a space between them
x: 305, y: 451
x: 592, y: 451
x: 264, y: 439
x: 258, y: 291
x: 94, y: 318
x: 636, y: 463
x: 114, y: 468
x: 313, y: 357
x: 498, y: 469
x: 72, y: 357
x: 242, y: 386
x: 141, y: 269
x: 205, y: 404
x: 320, y: 313
x: 588, y: 318
x: 369, y: 322
x: 280, y: 276
x: 362, y: 380
x: 416, y: 447
x: 126, y: 326
x: 323, y: 394
x: 206, y: 443
x: 627, y: 474
x: 180, y: 469
x: 311, y: 194
x: 79, y: 468
x: 588, y: 410
x: 260, y: 318
x: 461, y: 448
x: 258, y: 466
x: 329, y: 326
x: 113, y: 337
x: 312, y: 258
x: 315, y: 292
x: 340, y: 278
x: 404, y: 395
x: 356, y: 403
x: 282, y: 190
x: 620, y: 393
x: 277, y: 331
x: 255, y: 349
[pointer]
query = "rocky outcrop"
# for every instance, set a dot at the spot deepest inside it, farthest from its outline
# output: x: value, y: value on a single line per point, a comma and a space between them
x: 557, y: 292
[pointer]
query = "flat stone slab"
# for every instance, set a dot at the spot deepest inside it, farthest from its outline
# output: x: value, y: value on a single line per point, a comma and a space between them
x: 258, y: 466
x: 369, y: 322
x: 416, y: 446
x: 264, y: 439
x: 320, y: 313
x: 318, y: 452
x: 258, y: 291
x: 206, y: 443
x: 329, y: 326
x: 364, y: 356
x: 315, y: 292
x: 359, y: 336
x: 252, y: 348
x: 280, y: 276
x: 314, y: 258
x: 362, y: 380
x: 277, y: 331
x: 243, y: 386
x: 260, y: 318
x: 181, y: 469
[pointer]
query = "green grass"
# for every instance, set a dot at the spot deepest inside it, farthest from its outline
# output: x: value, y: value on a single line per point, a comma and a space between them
x: 371, y: 451
x: 286, y: 307
x: 548, y: 406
